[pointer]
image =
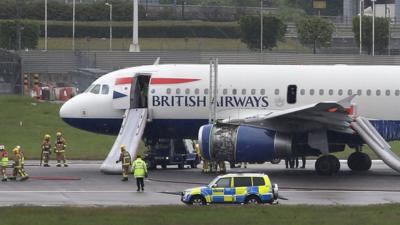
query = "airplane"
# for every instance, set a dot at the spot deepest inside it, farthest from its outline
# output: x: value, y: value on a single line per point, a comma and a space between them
x: 263, y: 112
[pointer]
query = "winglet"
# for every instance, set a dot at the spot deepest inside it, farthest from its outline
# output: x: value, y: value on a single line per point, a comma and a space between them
x: 346, y: 102
x: 157, y: 62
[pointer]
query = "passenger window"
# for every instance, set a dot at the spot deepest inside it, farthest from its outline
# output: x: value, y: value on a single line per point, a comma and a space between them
x: 196, y: 91
x: 178, y: 91
x: 253, y: 91
x: 276, y: 91
x: 105, y: 89
x: 262, y: 91
x: 96, y: 89
x: 397, y: 93
x: 242, y: 181
x: 387, y: 92
x: 243, y: 91
x: 312, y: 91
x: 349, y: 92
x: 234, y: 91
x: 302, y: 92
x: 292, y: 94
x: 224, y: 182
x: 206, y: 91
x: 225, y: 91
x: 359, y: 92
x: 330, y: 92
x: 187, y: 91
x: 258, y: 181
x: 378, y: 92
x: 369, y: 92
x: 168, y: 90
x: 340, y: 92
x: 321, y: 91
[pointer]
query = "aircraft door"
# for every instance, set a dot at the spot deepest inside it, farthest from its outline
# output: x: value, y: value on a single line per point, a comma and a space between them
x: 140, y: 91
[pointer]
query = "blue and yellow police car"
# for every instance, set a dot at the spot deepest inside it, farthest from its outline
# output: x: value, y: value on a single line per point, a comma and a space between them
x: 246, y: 188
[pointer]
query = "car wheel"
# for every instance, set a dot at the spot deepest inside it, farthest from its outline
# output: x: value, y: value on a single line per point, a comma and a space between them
x: 253, y: 200
x: 197, y: 200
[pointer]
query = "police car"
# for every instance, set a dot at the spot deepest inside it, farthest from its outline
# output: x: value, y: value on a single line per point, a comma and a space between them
x: 247, y: 188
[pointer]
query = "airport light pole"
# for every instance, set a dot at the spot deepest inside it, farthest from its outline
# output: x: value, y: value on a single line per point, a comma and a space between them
x: 135, y: 31
x: 73, y: 24
x: 110, y: 6
x: 361, y: 15
x: 373, y: 27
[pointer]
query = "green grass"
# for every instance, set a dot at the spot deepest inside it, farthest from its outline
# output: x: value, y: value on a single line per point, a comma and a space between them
x: 180, y: 215
x: 38, y: 119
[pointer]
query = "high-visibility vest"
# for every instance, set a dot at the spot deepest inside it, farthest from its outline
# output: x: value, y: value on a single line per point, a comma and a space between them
x: 4, y: 160
x: 139, y: 168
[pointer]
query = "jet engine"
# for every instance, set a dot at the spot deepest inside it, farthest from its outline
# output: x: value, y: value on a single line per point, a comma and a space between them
x: 241, y: 143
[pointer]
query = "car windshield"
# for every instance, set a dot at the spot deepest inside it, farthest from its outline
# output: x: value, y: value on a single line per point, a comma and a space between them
x: 214, y: 181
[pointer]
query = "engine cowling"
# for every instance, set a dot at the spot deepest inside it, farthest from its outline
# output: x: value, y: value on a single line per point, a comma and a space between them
x: 240, y: 143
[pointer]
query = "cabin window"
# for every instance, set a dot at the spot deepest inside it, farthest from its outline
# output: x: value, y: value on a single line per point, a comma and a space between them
x: 292, y: 94
x: 369, y: 92
x: 349, y: 92
x: 243, y: 91
x: 359, y: 92
x: 206, y: 91
x: 234, y: 91
x: 387, y: 92
x: 105, y: 89
x: 225, y: 91
x: 253, y: 91
x: 262, y: 91
x: 302, y: 92
x: 397, y: 92
x: 321, y: 91
x: 196, y: 91
x: 178, y: 91
x: 340, y: 92
x: 96, y: 89
x: 378, y: 92
x: 276, y: 91
x: 330, y: 92
x: 169, y: 91
x: 312, y: 91
x: 187, y: 91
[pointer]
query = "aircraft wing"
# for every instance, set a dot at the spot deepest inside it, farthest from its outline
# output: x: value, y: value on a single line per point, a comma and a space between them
x: 323, y: 115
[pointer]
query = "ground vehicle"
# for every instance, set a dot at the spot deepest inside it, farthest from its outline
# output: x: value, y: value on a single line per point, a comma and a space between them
x: 247, y: 188
x: 172, y: 152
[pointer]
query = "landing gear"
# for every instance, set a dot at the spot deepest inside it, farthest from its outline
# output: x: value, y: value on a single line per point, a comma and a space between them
x: 327, y: 165
x: 359, y: 161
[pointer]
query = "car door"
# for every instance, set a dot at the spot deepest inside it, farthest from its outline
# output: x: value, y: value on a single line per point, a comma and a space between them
x: 242, y: 186
x: 222, y: 190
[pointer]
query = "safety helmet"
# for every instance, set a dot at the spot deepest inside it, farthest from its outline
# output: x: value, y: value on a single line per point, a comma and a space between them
x: 16, y: 150
x: 58, y: 134
x: 47, y: 136
x: 123, y: 147
x: 1, y: 147
x: 18, y: 147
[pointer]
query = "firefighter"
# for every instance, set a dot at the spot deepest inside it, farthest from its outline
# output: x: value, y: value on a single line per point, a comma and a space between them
x: 125, y: 158
x: 21, y: 152
x: 18, y: 170
x: 59, y: 149
x: 139, y: 169
x: 46, y: 151
x: 4, y: 162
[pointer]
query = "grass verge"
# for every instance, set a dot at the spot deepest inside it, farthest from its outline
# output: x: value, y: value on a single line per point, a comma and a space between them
x: 232, y: 215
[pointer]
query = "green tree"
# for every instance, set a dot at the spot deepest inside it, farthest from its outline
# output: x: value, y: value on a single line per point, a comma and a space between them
x: 8, y: 34
x: 273, y: 31
x: 381, y: 32
x: 315, y: 31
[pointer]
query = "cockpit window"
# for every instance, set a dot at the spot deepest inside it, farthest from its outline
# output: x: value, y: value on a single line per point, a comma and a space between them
x: 89, y: 88
x: 105, y: 89
x: 96, y: 89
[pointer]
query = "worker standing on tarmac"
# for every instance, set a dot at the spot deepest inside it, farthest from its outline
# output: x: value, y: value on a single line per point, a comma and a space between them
x: 18, y: 170
x: 126, y: 160
x: 46, y: 151
x: 139, y: 169
x: 59, y: 149
x: 4, y: 162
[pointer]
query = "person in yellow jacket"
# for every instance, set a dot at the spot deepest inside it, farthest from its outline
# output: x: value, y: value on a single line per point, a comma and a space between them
x: 18, y: 170
x: 4, y: 162
x: 125, y: 158
x: 139, y: 170
x: 59, y: 149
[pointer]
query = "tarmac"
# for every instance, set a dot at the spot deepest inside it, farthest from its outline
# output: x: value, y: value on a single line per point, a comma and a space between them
x: 82, y: 184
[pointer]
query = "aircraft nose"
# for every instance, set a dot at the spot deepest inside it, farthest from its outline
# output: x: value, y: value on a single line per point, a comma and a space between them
x: 68, y: 110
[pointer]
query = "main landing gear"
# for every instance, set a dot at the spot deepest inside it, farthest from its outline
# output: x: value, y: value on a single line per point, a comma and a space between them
x: 327, y: 165
x: 359, y: 161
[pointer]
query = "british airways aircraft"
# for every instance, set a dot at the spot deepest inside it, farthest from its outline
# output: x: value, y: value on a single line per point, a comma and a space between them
x: 263, y: 112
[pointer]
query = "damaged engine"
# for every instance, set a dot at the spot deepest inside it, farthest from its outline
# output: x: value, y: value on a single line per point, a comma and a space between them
x: 240, y: 143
